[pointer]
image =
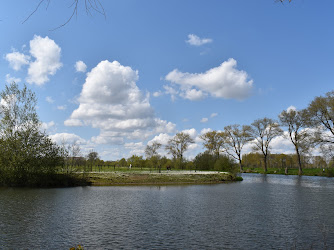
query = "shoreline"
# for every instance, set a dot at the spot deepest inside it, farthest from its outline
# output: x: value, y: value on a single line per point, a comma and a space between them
x: 144, y: 178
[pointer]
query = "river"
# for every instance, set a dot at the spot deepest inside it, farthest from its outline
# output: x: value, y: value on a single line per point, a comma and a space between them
x: 261, y: 212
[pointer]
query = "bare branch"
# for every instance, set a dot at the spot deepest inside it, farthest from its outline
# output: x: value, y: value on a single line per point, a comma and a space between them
x: 90, y: 5
x: 39, y: 4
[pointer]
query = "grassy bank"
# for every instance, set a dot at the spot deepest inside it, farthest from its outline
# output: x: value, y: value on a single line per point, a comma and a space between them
x: 294, y: 171
x: 147, y: 178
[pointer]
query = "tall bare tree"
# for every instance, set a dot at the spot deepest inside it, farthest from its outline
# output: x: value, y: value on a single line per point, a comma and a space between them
x: 298, y: 134
x: 263, y: 131
x: 235, y: 138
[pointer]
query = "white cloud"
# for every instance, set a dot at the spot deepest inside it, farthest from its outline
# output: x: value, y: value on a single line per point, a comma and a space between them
x: 111, y: 101
x: 291, y: 108
x: 192, y: 132
x: 204, y: 119
x: 49, y: 99
x: 205, y: 130
x: 196, y: 41
x: 136, y: 148
x: 80, y: 66
x: 192, y: 94
x: 67, y: 138
x: 47, y: 125
x: 62, y: 107
x: 162, y: 138
x: 11, y: 79
x: 157, y: 93
x: 169, y: 90
x: 224, y: 81
x: 213, y: 115
x: 47, y: 60
x: 17, y: 60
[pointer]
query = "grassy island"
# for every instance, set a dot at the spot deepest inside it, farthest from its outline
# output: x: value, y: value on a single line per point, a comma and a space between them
x: 154, y: 178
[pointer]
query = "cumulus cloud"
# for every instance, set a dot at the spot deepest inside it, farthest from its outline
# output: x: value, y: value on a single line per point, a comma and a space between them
x: 192, y: 132
x: 197, y: 41
x: 10, y: 79
x: 67, y: 138
x: 213, y: 115
x: 224, y: 81
x: 111, y: 101
x: 17, y: 60
x: 80, y: 66
x: 193, y: 94
x: 47, y: 60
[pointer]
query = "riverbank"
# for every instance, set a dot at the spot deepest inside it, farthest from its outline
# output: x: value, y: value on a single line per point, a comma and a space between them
x: 151, y: 178
x: 294, y: 171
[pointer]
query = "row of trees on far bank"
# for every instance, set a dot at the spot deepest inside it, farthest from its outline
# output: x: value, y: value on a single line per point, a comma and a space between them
x: 307, y: 129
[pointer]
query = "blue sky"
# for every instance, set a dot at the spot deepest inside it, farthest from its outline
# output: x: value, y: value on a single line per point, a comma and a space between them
x: 150, y: 69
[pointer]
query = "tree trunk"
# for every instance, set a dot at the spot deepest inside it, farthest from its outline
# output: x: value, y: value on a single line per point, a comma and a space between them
x: 300, y: 170
x: 265, y: 164
x: 240, y: 164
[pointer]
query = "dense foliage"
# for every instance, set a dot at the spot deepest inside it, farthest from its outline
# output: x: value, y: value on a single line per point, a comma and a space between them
x: 27, y: 155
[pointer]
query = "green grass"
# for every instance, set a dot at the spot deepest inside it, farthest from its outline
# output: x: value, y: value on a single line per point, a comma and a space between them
x: 294, y: 171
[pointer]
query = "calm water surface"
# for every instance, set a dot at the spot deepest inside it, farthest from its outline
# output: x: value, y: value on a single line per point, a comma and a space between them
x: 262, y: 212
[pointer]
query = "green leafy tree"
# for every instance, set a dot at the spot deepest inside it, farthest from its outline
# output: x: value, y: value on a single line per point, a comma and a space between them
x: 178, y: 145
x: 92, y: 158
x: 204, y: 161
x: 213, y: 141
x: 235, y: 138
x: 298, y: 134
x: 27, y: 155
x: 320, y: 116
x: 263, y: 131
x: 152, y: 154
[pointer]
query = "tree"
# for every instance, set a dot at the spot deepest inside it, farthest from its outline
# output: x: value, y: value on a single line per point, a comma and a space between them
x: 213, y: 142
x: 178, y: 145
x: 263, y: 131
x: 320, y: 114
x: 153, y: 155
x: 234, y: 140
x: 27, y: 155
x: 204, y: 161
x: 92, y: 157
x: 295, y: 121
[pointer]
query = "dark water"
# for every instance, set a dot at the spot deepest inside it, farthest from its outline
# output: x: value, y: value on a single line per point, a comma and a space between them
x: 262, y: 212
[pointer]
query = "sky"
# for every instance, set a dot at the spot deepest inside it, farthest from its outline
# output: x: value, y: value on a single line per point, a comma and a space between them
x: 148, y: 69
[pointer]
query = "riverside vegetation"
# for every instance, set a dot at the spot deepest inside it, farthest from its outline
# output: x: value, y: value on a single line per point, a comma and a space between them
x: 28, y: 157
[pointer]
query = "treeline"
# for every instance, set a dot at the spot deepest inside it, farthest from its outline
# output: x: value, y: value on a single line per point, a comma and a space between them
x: 282, y: 161
x: 307, y: 129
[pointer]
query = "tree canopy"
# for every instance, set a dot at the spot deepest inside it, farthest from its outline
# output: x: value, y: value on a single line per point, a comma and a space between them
x: 26, y: 153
